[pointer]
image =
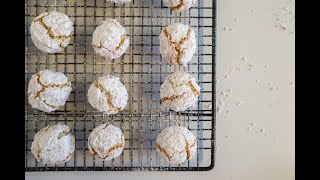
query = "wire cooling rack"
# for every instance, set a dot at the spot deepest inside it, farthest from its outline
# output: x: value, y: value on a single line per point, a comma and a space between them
x: 140, y: 69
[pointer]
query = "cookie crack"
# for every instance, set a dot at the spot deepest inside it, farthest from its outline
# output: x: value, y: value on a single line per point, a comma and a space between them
x: 163, y: 152
x: 112, y: 149
x: 122, y: 41
x: 178, y: 6
x: 105, y: 127
x: 113, y: 52
x: 193, y: 89
x: 195, y: 92
x: 172, y: 98
x: 50, y: 32
x: 63, y: 134
x: 49, y: 105
x: 108, y: 95
x: 43, y: 87
x: 187, y: 149
x: 177, y: 45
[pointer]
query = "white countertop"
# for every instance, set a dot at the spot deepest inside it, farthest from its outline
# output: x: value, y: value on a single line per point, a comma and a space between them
x: 255, y: 98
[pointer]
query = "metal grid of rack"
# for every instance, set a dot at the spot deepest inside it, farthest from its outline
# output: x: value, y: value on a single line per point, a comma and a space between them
x: 140, y: 69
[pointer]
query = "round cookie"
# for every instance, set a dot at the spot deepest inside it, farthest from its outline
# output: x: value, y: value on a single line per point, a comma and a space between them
x: 107, y: 94
x: 177, y: 44
x: 53, y: 144
x: 51, y: 31
x: 106, y: 142
x: 110, y: 39
x: 179, y: 5
x: 176, y: 144
x: 120, y: 1
x: 179, y: 92
x: 48, y: 90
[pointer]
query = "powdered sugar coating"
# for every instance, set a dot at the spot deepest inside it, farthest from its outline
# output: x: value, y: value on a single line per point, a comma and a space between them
x: 110, y: 39
x: 177, y: 44
x: 48, y: 90
x: 179, y: 91
x: 179, y: 5
x: 106, y: 142
x: 53, y: 144
x: 51, y: 31
x: 120, y: 1
x: 107, y: 94
x: 176, y: 144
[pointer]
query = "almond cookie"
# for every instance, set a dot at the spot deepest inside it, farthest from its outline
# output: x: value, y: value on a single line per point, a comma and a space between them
x: 110, y: 39
x: 53, y: 144
x: 51, y: 31
x: 48, y: 90
x: 176, y: 144
x: 106, y: 142
x: 107, y: 94
x: 120, y: 1
x: 177, y: 44
x: 179, y: 5
x: 179, y: 92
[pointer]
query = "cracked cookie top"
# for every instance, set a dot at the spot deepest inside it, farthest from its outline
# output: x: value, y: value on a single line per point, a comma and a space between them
x: 177, y: 44
x: 110, y: 39
x: 106, y: 142
x: 53, y: 144
x: 51, y: 31
x: 48, y: 90
x: 107, y: 94
x: 120, y: 1
x: 179, y: 92
x: 176, y: 144
x: 179, y: 5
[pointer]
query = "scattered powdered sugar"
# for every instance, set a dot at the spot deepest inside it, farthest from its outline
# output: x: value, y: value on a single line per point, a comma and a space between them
x: 257, y: 130
x: 219, y: 148
x: 269, y: 85
x: 285, y: 17
x: 229, y: 27
x: 237, y: 65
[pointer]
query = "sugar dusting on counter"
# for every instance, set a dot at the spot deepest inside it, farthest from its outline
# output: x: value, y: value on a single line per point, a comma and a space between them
x: 238, y: 64
x: 253, y: 128
x: 285, y: 17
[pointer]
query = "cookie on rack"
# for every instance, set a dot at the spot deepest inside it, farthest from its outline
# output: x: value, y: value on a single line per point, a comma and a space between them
x: 48, y: 90
x: 120, y: 1
x: 110, y: 39
x: 176, y: 144
x: 179, y: 92
x: 108, y: 95
x: 179, y: 5
x: 53, y: 144
x: 106, y: 142
x: 51, y: 31
x: 177, y: 44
